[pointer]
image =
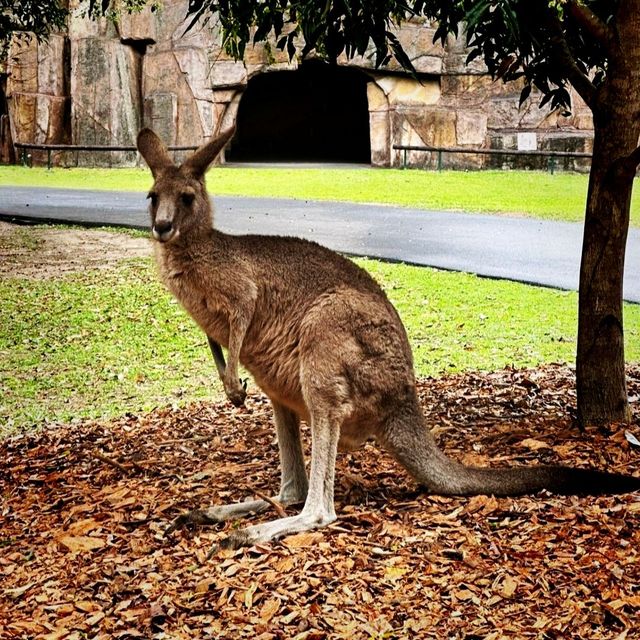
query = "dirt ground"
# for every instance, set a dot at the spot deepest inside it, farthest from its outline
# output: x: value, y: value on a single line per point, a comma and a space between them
x: 44, y: 252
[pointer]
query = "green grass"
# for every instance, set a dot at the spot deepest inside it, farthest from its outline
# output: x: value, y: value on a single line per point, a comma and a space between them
x: 101, y: 343
x: 532, y: 193
x: 96, y: 344
x: 461, y: 322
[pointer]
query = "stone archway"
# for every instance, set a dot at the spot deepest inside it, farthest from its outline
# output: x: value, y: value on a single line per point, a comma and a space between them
x: 317, y: 113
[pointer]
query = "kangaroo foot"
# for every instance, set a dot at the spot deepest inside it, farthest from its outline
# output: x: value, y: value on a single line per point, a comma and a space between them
x: 215, y: 515
x: 267, y: 531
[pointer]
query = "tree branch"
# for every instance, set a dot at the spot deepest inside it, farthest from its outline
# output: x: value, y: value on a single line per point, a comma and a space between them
x: 110, y: 461
x: 274, y: 503
x: 563, y: 56
x: 591, y: 23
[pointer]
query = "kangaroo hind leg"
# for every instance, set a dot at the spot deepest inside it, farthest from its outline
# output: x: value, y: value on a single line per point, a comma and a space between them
x: 318, y: 509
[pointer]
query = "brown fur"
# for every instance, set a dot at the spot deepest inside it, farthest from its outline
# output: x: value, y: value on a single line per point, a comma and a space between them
x: 321, y: 339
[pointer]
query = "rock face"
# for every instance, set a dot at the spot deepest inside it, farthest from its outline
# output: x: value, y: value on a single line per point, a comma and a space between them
x: 38, y: 92
x: 99, y: 82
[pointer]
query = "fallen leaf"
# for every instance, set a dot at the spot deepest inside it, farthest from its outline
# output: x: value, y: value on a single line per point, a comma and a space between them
x: 248, y: 595
x: 93, y: 620
x: 87, y: 606
x: 394, y: 573
x: 533, y: 444
x: 486, y: 504
x: 19, y: 591
x: 304, y: 539
x: 631, y: 439
x: 79, y: 544
x: 83, y: 526
x: 509, y: 586
x: 204, y: 585
x: 56, y: 635
x: 269, y: 609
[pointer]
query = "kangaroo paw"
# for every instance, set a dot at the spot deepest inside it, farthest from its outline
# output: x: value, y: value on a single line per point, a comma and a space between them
x: 191, y: 518
x: 236, y: 393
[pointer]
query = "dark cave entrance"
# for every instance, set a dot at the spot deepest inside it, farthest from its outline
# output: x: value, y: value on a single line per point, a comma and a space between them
x: 318, y: 113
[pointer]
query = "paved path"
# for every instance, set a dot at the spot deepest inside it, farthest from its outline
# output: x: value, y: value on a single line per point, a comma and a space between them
x: 522, y: 249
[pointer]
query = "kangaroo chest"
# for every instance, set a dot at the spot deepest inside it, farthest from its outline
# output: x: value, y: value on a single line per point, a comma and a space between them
x: 198, y: 296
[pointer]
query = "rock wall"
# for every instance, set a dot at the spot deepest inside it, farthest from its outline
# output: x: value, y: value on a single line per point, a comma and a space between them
x: 37, y: 92
x: 462, y: 107
x: 100, y: 82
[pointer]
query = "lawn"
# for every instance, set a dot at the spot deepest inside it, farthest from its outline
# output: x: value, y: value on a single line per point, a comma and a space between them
x: 100, y: 343
x: 558, y: 197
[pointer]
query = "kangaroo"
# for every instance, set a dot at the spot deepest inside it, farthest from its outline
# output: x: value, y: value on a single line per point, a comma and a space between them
x: 321, y: 339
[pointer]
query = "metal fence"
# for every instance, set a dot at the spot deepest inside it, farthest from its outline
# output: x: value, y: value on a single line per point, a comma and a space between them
x: 51, y: 148
x: 551, y: 155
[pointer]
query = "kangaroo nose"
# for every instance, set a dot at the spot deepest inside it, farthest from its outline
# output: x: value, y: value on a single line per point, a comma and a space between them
x: 162, y: 227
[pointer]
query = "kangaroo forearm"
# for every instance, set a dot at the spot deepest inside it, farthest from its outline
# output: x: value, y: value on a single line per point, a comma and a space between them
x: 238, y: 325
x: 218, y: 356
x: 233, y: 354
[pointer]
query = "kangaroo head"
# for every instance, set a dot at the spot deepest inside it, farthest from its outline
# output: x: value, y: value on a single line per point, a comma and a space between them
x: 179, y: 205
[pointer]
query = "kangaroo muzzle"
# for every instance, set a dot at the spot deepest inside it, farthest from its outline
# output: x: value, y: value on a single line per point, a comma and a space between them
x: 163, y: 230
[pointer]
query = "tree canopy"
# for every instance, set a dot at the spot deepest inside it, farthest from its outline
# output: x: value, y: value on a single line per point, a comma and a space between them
x: 29, y: 17
x: 548, y: 43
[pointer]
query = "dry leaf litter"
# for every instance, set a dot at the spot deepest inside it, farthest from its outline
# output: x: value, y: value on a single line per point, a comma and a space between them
x: 84, y: 507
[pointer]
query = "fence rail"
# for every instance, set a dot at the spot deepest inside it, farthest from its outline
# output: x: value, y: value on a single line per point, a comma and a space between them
x: 552, y: 155
x: 50, y: 148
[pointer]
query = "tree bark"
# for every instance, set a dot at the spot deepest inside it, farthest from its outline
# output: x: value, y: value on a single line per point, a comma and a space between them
x: 600, y: 363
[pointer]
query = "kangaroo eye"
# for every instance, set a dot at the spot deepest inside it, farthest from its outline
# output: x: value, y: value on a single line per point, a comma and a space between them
x: 153, y: 196
x: 187, y: 198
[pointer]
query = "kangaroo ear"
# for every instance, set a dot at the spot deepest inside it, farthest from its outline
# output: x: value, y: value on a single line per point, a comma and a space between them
x: 199, y: 162
x: 153, y: 151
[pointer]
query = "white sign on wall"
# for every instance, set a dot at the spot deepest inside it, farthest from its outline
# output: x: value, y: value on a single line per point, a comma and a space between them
x: 527, y: 141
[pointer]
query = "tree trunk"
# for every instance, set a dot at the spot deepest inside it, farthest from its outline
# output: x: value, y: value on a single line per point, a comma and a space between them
x: 600, y: 364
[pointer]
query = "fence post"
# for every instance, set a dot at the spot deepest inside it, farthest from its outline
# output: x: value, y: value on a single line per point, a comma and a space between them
x: 48, y: 159
x: 404, y: 158
x: 439, y: 160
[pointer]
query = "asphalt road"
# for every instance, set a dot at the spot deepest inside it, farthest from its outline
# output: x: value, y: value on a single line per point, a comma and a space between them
x: 521, y: 249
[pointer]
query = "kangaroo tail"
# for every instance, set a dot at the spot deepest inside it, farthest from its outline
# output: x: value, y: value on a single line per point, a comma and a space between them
x: 522, y: 480
x: 415, y: 448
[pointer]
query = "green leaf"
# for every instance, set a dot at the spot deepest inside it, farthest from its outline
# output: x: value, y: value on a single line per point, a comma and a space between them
x: 524, y: 94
